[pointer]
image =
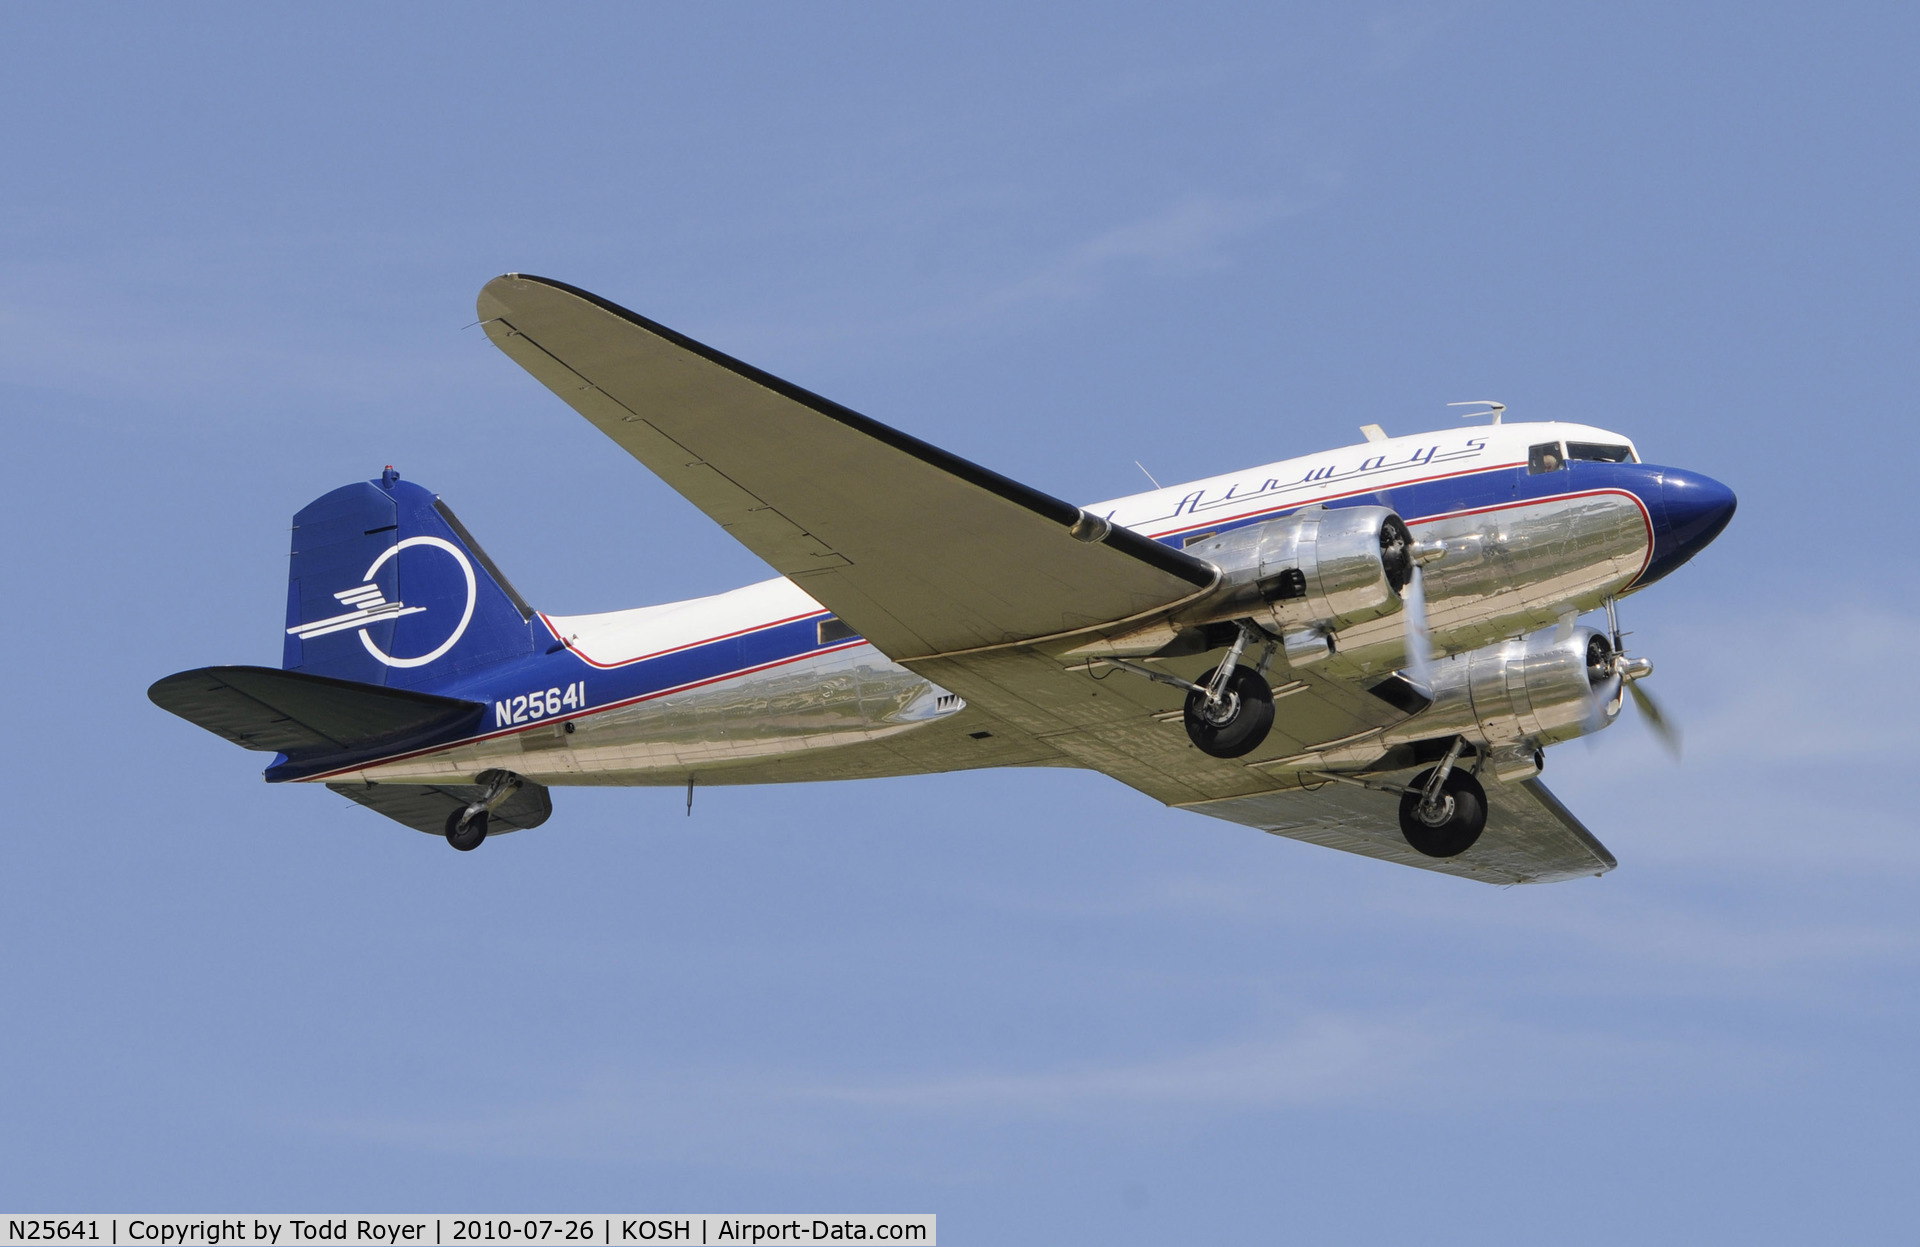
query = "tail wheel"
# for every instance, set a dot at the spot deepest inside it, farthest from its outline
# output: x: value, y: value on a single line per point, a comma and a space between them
x: 1450, y: 826
x: 1234, y: 726
x: 466, y: 831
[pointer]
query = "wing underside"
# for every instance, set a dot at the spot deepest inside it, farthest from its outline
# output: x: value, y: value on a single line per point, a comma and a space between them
x: 1530, y: 836
x: 1131, y: 729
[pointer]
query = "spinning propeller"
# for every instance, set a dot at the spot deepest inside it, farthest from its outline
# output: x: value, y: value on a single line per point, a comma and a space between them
x: 1631, y: 671
x: 1419, y: 635
x: 1403, y: 557
x: 1606, y: 660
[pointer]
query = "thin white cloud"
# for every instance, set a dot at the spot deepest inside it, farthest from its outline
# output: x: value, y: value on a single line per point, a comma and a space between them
x: 1190, y: 235
x: 1417, y: 1061
x: 781, y: 1120
x: 1397, y: 37
x: 1797, y: 743
x: 113, y: 349
x: 1326, y: 1058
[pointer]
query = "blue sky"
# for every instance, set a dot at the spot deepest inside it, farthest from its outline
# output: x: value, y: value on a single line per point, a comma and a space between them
x: 242, y: 246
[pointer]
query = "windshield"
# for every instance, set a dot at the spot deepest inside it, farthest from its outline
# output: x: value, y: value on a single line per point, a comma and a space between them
x: 1600, y: 452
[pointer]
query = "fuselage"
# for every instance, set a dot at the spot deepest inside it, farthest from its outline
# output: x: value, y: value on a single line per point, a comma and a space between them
x: 1538, y: 522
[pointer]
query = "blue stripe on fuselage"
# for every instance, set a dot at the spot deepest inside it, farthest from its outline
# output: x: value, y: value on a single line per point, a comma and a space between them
x: 702, y: 663
x: 706, y: 662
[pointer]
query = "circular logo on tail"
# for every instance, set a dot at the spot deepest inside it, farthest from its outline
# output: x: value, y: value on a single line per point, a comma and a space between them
x: 466, y: 615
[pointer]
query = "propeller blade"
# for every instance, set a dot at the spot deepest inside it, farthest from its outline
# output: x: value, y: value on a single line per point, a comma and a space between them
x: 1419, y: 637
x: 1597, y: 704
x: 1663, y: 729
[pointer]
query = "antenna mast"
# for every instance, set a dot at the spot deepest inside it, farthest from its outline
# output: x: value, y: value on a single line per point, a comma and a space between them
x: 1496, y: 408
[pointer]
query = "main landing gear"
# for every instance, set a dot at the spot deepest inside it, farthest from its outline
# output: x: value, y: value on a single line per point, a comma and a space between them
x: 1444, y: 810
x: 467, y: 826
x: 1230, y: 711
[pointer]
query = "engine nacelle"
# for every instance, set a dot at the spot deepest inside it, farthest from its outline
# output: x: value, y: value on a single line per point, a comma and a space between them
x: 1310, y: 574
x: 1513, y: 698
x: 1304, y: 576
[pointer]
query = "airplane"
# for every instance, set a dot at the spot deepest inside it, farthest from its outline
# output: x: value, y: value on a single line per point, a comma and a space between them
x: 1367, y: 649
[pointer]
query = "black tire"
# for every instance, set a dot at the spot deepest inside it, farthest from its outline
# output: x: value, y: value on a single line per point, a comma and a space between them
x: 466, y: 837
x: 1248, y: 719
x: 1463, y: 824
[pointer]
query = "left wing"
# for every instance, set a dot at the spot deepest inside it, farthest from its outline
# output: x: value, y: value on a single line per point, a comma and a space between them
x: 917, y: 549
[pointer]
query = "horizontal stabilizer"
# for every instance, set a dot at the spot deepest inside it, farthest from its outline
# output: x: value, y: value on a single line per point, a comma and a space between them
x: 426, y: 807
x: 297, y: 714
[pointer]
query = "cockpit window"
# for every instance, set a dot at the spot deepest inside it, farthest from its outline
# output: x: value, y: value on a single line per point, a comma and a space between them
x: 1600, y: 452
x: 1545, y: 457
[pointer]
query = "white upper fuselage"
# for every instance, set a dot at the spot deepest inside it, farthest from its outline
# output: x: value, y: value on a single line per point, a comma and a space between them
x: 613, y: 638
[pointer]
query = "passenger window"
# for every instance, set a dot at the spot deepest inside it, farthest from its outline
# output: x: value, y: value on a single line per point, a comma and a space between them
x: 1599, y: 452
x: 1545, y: 457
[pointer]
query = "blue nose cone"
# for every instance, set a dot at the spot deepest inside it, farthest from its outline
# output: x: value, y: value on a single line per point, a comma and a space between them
x: 1691, y: 511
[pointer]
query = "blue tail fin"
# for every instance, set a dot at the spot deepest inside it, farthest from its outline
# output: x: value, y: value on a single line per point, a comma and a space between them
x: 387, y: 587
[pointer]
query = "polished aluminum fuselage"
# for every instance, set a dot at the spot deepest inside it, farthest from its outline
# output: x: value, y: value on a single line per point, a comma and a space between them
x: 1518, y: 556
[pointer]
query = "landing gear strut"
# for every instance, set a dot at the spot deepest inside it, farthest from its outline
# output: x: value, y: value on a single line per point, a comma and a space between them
x: 467, y: 826
x: 1233, y: 716
x: 1229, y: 712
x: 1444, y: 809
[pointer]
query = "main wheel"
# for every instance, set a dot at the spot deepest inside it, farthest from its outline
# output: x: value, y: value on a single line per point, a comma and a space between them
x: 1237, y: 727
x: 466, y: 836
x: 1452, y: 829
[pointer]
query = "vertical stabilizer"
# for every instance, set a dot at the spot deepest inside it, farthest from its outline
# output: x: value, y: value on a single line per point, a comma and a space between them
x: 387, y: 587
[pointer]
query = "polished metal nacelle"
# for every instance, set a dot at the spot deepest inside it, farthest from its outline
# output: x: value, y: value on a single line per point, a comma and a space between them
x: 1514, y: 698
x: 1509, y: 700
x: 1312, y: 571
x: 1302, y: 577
